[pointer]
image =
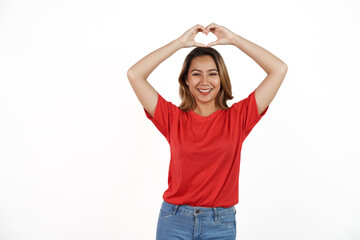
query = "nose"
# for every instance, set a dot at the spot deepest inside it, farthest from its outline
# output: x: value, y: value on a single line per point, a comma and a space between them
x: 204, y: 79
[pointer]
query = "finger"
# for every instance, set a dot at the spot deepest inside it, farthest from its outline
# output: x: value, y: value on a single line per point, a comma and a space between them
x: 199, y: 44
x: 212, y: 43
x: 212, y: 29
x: 199, y: 28
x: 205, y: 31
x: 211, y: 26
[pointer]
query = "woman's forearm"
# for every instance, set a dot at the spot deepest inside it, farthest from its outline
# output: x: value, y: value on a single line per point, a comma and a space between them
x: 266, y: 60
x: 143, y: 68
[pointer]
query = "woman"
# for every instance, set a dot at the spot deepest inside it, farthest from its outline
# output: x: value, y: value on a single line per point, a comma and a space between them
x: 204, y: 134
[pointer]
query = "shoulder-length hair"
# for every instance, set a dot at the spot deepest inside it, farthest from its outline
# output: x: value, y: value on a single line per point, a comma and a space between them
x: 188, y: 100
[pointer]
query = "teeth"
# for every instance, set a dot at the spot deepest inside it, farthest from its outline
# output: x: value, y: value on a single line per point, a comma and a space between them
x: 205, y: 90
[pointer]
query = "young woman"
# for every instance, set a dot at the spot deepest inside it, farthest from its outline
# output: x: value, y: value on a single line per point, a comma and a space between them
x: 204, y: 134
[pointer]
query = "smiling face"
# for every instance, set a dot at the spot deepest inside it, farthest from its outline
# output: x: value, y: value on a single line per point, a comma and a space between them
x: 203, y: 74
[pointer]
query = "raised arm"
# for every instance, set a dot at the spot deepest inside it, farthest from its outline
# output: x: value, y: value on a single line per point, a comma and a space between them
x: 273, y: 66
x: 139, y: 72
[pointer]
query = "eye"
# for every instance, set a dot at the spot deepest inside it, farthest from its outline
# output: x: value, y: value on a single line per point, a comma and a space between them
x: 196, y: 74
x: 214, y: 74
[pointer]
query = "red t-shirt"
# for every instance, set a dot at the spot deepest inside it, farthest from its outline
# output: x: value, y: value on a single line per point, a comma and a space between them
x: 205, y: 151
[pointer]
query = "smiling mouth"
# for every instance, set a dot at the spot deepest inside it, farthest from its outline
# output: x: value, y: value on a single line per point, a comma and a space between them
x: 204, y: 91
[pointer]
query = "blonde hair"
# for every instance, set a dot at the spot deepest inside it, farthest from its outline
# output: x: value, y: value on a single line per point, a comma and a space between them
x: 224, y: 94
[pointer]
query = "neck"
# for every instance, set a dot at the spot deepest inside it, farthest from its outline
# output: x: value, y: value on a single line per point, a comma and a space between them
x: 204, y: 110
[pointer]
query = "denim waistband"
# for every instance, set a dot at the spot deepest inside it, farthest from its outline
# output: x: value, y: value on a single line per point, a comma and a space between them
x: 205, y: 211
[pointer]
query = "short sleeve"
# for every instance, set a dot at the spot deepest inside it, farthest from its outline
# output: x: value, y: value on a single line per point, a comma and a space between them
x: 162, y: 116
x: 248, y: 113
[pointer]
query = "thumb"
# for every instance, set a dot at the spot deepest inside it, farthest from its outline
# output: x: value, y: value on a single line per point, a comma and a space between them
x: 199, y: 44
x: 212, y: 43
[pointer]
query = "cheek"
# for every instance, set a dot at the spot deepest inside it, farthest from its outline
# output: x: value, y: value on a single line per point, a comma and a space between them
x: 217, y: 82
x: 193, y: 82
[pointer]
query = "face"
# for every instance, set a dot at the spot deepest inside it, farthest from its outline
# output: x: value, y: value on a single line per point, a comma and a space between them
x: 203, y: 74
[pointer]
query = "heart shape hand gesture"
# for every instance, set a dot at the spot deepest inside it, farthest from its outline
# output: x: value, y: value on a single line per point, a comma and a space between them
x: 224, y: 36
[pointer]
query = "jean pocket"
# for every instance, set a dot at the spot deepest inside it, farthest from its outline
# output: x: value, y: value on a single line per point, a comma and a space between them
x: 228, y: 219
x: 166, y: 210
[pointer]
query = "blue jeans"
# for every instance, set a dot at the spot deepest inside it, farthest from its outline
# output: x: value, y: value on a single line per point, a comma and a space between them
x: 191, y: 223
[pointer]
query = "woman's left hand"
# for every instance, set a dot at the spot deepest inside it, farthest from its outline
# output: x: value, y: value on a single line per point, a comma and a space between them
x: 224, y: 35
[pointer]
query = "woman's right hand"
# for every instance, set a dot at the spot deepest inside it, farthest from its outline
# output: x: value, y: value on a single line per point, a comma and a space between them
x: 187, y: 39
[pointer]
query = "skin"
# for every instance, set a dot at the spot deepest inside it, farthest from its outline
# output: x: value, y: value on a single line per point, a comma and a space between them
x: 203, y: 74
x: 275, y: 68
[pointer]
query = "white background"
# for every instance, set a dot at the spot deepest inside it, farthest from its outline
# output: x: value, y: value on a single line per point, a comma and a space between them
x: 80, y: 160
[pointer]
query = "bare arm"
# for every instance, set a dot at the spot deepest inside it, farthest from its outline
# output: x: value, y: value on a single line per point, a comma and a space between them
x: 139, y: 72
x: 273, y: 66
x: 145, y: 66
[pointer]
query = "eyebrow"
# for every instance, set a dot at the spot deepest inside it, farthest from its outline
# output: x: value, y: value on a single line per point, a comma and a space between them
x: 200, y: 70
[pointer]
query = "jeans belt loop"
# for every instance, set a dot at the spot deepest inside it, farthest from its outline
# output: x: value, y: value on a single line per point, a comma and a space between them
x: 216, y: 214
x: 175, y: 210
